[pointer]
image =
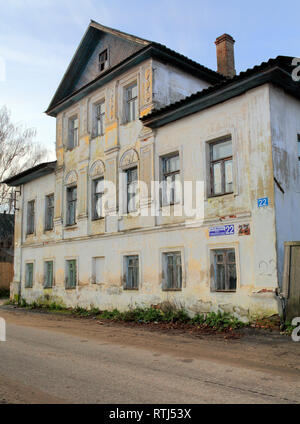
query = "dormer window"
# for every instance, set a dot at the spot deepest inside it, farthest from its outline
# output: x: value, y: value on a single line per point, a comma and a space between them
x: 103, y: 60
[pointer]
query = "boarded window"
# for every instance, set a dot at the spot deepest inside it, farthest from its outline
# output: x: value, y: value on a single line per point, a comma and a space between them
x: 49, y: 212
x: 172, y: 271
x: 103, y: 60
x: 224, y: 270
x: 99, y: 124
x: 98, y: 192
x: 131, y: 103
x: 73, y: 132
x: 171, y: 190
x: 71, y: 205
x: 29, y: 275
x: 131, y: 190
x: 221, y: 170
x: 71, y: 277
x: 30, y: 217
x: 98, y: 270
x: 131, y: 272
x: 48, y: 278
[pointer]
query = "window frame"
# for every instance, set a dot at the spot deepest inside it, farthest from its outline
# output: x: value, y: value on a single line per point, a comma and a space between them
x: 30, y: 227
x: 222, y: 161
x: 165, y: 175
x: 47, y: 226
x: 68, y: 190
x: 129, y: 196
x: 46, y: 284
x: 72, y: 130
x: 100, y: 194
x: 105, y: 62
x: 68, y: 286
x: 99, y: 117
x: 126, y: 259
x: 129, y: 101
x: 165, y: 264
x: 226, y: 262
x: 29, y: 284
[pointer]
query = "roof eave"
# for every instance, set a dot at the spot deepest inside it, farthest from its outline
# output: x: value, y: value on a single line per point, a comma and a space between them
x: 31, y: 174
x: 274, y: 75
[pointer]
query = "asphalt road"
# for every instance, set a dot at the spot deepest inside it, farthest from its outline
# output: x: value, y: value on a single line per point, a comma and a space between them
x: 57, y: 359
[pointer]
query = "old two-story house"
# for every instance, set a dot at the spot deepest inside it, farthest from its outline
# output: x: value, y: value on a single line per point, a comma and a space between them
x: 95, y: 228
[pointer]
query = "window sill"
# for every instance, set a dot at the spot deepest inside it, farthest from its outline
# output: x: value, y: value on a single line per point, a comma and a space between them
x: 70, y: 288
x: 224, y: 291
x: 71, y: 227
x: 48, y: 230
x: 213, y: 196
x: 98, y: 219
x: 172, y: 290
x: 48, y: 288
x: 128, y: 289
x: 94, y: 136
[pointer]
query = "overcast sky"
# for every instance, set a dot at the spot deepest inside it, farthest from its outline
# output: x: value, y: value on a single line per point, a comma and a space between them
x: 38, y: 39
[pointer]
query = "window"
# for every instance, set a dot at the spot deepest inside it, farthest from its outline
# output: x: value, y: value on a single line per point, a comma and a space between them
x: 103, y: 60
x: 98, y: 192
x: 29, y: 276
x: 172, y: 279
x: 48, y: 279
x: 49, y: 215
x: 131, y: 191
x: 221, y: 167
x: 71, y: 205
x: 131, y: 103
x: 224, y: 270
x: 99, y: 119
x: 171, y: 180
x: 71, y: 279
x: 73, y: 132
x: 30, y: 217
x: 98, y: 268
x: 131, y: 272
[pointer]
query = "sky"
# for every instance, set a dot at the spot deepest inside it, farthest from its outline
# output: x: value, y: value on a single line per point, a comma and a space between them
x: 39, y: 37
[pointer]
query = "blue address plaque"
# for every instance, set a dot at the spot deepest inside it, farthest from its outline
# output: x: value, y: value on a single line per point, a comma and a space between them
x: 224, y: 230
x: 262, y: 203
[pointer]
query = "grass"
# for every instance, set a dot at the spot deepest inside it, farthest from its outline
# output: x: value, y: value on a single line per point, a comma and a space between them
x: 166, y: 313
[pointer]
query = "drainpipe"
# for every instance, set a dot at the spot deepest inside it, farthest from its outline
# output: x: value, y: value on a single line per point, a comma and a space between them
x: 21, y: 246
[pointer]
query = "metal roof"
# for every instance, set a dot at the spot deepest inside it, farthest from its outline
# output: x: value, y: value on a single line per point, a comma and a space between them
x: 31, y: 174
x: 277, y: 71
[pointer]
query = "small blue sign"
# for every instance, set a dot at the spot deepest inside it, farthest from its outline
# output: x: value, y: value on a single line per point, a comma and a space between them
x: 224, y: 230
x: 262, y: 203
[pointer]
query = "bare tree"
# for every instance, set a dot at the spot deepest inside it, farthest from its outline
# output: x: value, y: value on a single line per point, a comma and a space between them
x: 18, y: 152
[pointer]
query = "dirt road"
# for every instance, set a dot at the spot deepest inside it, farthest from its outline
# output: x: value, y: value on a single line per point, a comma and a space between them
x: 59, y: 359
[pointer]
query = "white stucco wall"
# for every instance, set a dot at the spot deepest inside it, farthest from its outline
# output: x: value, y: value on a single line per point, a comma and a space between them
x: 285, y: 126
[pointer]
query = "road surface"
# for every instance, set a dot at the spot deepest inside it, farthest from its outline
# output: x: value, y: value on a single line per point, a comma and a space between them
x: 59, y: 359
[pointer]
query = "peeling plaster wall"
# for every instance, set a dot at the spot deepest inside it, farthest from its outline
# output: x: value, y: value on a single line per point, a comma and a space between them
x: 172, y: 85
x: 285, y: 126
x: 247, y: 119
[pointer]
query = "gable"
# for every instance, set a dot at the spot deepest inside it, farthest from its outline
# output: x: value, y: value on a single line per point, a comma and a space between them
x: 84, y: 68
x: 118, y: 50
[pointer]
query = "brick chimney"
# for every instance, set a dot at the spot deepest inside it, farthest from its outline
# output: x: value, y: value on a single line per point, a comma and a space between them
x: 225, y: 55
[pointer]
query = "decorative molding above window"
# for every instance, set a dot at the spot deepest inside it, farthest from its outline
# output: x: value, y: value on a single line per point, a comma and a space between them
x: 97, y: 169
x: 71, y: 178
x: 129, y: 158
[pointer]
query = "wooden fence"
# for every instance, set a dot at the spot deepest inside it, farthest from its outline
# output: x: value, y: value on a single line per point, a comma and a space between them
x: 6, y: 274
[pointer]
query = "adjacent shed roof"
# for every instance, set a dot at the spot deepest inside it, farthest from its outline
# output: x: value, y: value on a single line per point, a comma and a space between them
x: 277, y: 71
x: 31, y: 174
